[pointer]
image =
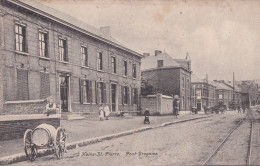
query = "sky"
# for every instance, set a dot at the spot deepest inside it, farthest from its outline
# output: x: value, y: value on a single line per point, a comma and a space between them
x: 221, y: 36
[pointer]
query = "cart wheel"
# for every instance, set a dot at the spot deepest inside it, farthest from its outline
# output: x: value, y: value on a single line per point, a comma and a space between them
x: 29, y: 148
x: 59, y: 143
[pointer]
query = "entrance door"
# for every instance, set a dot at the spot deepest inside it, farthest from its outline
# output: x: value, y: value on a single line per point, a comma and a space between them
x: 199, y: 106
x: 64, y: 91
x: 113, y: 93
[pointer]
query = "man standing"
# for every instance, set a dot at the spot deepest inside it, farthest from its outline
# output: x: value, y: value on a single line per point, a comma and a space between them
x: 175, y: 107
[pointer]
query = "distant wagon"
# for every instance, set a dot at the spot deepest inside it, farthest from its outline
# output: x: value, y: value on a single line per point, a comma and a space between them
x: 218, y: 108
x: 44, y: 136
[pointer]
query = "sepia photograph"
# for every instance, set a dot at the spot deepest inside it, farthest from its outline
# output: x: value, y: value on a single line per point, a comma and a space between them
x: 129, y: 82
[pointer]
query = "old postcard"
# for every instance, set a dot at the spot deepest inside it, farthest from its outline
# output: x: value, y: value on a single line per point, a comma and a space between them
x: 128, y: 82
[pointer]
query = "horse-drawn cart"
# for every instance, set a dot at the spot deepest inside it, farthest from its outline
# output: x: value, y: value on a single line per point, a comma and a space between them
x: 44, y: 136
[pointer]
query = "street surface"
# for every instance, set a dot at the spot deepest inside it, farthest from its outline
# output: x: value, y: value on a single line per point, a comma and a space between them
x: 187, y: 143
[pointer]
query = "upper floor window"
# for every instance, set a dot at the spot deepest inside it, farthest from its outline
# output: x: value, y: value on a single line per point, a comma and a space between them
x: 125, y: 68
x: 134, y: 70
x: 84, y: 56
x: 20, y: 35
x: 183, y: 83
x: 159, y: 63
x: 99, y: 61
x: 113, y: 64
x: 43, y: 45
x: 63, y: 50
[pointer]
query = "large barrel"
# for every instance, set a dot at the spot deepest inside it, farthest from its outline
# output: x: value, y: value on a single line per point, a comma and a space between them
x: 43, y: 134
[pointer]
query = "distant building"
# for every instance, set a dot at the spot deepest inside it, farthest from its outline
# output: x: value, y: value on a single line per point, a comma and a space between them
x: 203, y: 93
x: 250, y: 92
x: 224, y: 93
x: 163, y: 74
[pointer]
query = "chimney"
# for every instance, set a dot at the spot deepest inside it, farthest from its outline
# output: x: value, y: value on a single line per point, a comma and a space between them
x: 146, y: 55
x: 157, y: 52
x: 106, y: 31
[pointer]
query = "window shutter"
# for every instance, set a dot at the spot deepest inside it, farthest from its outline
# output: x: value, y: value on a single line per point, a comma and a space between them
x: 81, y: 91
x: 105, y: 92
x: 97, y: 92
x: 22, y: 85
x: 132, y: 96
x: 45, y: 85
x: 136, y: 96
x: 24, y: 39
x: 122, y: 94
x: 128, y: 96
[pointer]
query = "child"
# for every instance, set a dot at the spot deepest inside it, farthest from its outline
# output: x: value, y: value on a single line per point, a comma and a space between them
x: 51, y: 107
x: 101, y: 112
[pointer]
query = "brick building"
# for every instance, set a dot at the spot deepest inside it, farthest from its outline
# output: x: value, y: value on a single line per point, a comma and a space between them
x: 203, y: 93
x: 168, y: 76
x: 224, y: 93
x: 47, y: 53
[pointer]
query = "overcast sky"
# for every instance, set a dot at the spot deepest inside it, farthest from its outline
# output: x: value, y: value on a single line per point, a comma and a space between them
x: 220, y: 36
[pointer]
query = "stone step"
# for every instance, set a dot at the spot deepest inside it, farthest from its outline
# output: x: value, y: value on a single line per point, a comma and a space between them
x: 72, y: 116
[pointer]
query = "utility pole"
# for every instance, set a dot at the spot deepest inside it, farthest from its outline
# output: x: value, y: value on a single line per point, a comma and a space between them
x: 207, y: 81
x: 233, y: 87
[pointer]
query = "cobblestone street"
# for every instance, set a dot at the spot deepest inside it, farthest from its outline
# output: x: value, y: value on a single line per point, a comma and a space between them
x: 187, y: 143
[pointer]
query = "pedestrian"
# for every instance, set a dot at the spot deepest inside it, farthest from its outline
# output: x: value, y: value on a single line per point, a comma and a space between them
x: 101, y: 112
x: 50, y: 107
x: 239, y: 109
x: 244, y: 109
x: 175, y: 108
x: 146, y: 116
x: 106, y: 111
x: 206, y: 109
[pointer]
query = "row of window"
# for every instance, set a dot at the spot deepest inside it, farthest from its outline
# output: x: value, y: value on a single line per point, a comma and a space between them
x: 20, y: 40
x: 95, y: 92
x: 90, y: 91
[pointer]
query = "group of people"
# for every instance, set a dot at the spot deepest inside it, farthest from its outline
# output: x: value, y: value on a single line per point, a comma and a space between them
x: 240, y: 109
x: 104, y: 112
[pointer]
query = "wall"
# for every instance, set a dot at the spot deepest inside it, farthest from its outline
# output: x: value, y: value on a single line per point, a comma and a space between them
x: 157, y: 104
x: 25, y: 107
x: 14, y: 129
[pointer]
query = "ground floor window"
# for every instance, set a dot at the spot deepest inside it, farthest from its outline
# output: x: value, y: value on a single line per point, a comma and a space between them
x: 125, y: 94
x: 101, y: 92
x: 86, y: 91
x: 135, y: 95
x: 22, y: 85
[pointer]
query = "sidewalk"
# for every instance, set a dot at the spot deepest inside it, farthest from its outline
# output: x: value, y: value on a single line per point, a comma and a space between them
x: 78, y: 130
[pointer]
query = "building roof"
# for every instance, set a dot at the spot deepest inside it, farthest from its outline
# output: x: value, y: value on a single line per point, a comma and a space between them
x: 70, y: 21
x: 150, y: 62
x: 221, y: 85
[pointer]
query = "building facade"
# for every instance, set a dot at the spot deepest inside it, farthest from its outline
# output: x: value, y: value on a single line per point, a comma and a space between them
x: 167, y: 76
x: 203, y: 93
x: 47, y: 53
x: 224, y: 93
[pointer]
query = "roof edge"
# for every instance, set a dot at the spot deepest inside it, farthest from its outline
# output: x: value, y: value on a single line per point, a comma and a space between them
x: 56, y: 19
x: 167, y: 67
